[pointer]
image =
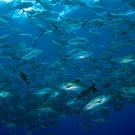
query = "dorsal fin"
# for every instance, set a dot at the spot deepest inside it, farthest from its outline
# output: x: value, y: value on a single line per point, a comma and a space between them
x: 93, y: 89
x: 74, y: 35
x: 77, y: 80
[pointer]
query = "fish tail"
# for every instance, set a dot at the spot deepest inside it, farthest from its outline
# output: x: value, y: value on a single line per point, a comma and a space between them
x: 75, y: 100
x: 23, y: 11
x: 79, y: 113
x: 36, y: 1
x: 94, y: 89
x: 101, y: 2
x: 92, y: 47
x: 9, y: 7
x: 28, y: 84
x: 119, y: 109
x: 29, y: 16
x: 112, y: 64
x: 124, y: 32
x: 44, y: 69
x: 56, y: 28
x: 64, y: 59
x: 41, y: 34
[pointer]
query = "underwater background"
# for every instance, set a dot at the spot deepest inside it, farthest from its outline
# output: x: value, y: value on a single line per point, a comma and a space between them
x: 67, y: 67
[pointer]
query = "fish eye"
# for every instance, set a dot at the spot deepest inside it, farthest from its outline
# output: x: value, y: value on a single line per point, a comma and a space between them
x: 4, y: 94
x: 69, y: 86
x: 99, y: 101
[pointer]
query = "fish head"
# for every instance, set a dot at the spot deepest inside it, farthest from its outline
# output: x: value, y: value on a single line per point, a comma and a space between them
x: 4, y: 94
x: 67, y: 86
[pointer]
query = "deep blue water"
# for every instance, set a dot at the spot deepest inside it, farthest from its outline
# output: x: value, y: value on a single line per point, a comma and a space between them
x: 118, y: 123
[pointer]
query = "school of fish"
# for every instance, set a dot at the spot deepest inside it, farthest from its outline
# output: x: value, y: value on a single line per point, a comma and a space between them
x: 89, y: 69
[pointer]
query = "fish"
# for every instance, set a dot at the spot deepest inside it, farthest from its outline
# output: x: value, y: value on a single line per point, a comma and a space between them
x: 128, y: 89
x: 53, y: 47
x: 84, y: 127
x: 23, y: 76
x: 52, y: 20
x: 97, y: 101
x: 119, y: 71
x: 4, y: 22
x: 5, y: 17
x: 5, y: 38
x: 72, y: 86
x: 95, y: 33
x: 26, y: 35
x: 116, y: 22
x: 129, y: 58
x: 21, y: 5
x: 4, y: 94
x: 33, y: 53
x: 80, y: 55
x: 40, y: 15
x: 45, y: 3
x: 35, y: 42
x: 45, y: 109
x: 99, y: 120
x: 38, y: 26
x: 43, y: 91
x: 85, y: 93
x: 96, y: 8
x: 98, y: 21
x: 50, y: 133
x: 70, y: 23
x: 16, y: 30
x: 78, y: 41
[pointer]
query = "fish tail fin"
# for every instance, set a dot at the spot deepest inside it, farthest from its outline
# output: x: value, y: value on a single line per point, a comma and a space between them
x: 40, y: 34
x: 123, y: 32
x: 83, y: 25
x: 44, y: 69
x: 36, y: 1
x: 119, y: 109
x: 112, y: 63
x: 92, y: 47
x: 29, y: 16
x: 62, y: 19
x: 75, y: 100
x: 101, y: 24
x: 101, y: 2
x: 79, y: 113
x: 64, y: 59
x: 55, y: 27
x: 23, y: 11
x: 93, y: 88
x: 9, y: 7
x: 43, y: 55
x: 28, y: 85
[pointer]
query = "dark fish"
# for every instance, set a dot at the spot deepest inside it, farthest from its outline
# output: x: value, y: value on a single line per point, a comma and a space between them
x: 23, y: 76
x: 104, y: 112
x: 101, y: 2
x: 86, y: 92
x: 118, y: 109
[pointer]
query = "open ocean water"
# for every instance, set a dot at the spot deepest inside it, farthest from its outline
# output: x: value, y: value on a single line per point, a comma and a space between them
x: 67, y: 67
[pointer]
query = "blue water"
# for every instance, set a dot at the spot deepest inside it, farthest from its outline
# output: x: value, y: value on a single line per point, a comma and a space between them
x: 118, y: 123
